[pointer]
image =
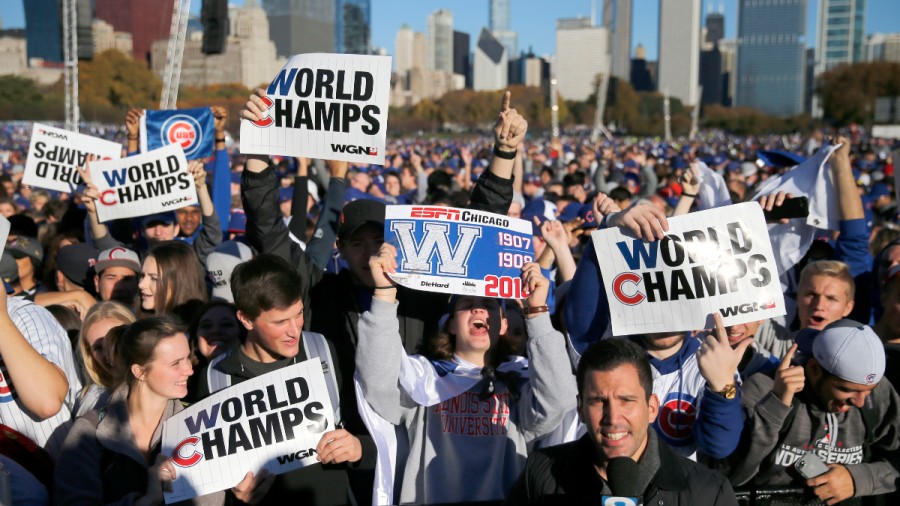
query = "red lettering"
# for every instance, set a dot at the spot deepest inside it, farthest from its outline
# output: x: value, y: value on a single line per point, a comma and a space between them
x: 627, y: 277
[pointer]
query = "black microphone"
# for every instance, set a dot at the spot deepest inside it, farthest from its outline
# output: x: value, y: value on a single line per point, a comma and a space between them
x: 621, y: 473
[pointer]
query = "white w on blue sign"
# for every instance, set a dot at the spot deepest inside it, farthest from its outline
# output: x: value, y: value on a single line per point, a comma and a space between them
x: 417, y: 255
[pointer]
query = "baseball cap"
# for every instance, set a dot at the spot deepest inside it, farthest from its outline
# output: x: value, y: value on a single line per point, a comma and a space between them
x: 748, y: 169
x: 117, y: 257
x: 221, y: 263
x: 166, y: 218
x: 358, y: 213
x: 851, y: 351
x: 879, y: 190
x: 286, y: 194
x: 76, y: 262
x: 9, y: 270
x: 237, y: 222
x: 26, y: 247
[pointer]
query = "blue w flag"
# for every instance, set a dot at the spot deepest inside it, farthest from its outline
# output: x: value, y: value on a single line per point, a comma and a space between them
x: 193, y: 129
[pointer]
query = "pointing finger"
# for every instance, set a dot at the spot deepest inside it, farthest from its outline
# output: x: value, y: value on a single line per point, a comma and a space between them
x: 786, y: 361
x: 504, y: 102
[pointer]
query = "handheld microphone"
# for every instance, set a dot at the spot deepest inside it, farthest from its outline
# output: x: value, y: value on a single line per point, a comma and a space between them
x: 621, y: 473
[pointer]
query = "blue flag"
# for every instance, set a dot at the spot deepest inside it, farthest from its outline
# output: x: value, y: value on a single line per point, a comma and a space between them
x: 193, y: 129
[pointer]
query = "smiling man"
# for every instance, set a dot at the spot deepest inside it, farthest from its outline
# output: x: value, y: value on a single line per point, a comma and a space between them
x: 616, y: 403
x: 835, y: 406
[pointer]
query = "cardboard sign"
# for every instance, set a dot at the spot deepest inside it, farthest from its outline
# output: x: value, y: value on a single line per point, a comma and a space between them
x: 273, y: 421
x: 144, y: 184
x: 193, y: 129
x: 55, y: 155
x: 459, y: 251
x: 715, y: 260
x: 329, y: 106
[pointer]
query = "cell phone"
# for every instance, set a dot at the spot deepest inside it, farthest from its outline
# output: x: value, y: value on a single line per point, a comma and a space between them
x: 796, y: 207
x: 810, y: 465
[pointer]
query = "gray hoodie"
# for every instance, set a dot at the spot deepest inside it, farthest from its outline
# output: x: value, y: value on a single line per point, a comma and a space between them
x: 462, y: 449
x: 768, y: 449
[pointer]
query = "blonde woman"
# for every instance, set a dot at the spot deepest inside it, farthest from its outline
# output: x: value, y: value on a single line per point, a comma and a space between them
x: 94, y: 349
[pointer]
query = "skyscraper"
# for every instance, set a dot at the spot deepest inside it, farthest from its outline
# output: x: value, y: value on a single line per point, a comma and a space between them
x: 491, y: 63
x: 711, y: 80
x: 617, y: 19
x: 352, y: 26
x: 841, y: 33
x: 146, y: 20
x: 715, y: 27
x: 461, y: 57
x: 581, y: 54
x: 403, y: 49
x: 771, y: 59
x: 499, y: 25
x: 679, y: 49
x: 440, y: 41
x: 301, y: 26
x: 43, y: 30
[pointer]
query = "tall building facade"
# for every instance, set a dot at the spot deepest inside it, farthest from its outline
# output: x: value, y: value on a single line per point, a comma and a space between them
x: 146, y: 20
x: 679, y: 49
x: 582, y: 53
x: 715, y: 27
x: 462, y: 60
x: 641, y: 77
x: 711, y: 80
x: 883, y: 47
x: 617, y: 19
x: 43, y: 30
x: 440, y: 41
x: 403, y: 49
x: 490, y: 66
x: 771, y: 56
x: 499, y: 23
x: 84, y: 11
x: 841, y: 33
x: 352, y: 26
x: 301, y: 26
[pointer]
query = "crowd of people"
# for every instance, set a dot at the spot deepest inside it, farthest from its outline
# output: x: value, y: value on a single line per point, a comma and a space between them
x: 110, y: 328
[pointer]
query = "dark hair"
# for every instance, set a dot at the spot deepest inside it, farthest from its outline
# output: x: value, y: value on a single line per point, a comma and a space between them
x: 620, y: 193
x: 193, y: 327
x: 136, y: 344
x: 443, y: 345
x: 608, y: 354
x: 263, y: 283
x: 181, y: 273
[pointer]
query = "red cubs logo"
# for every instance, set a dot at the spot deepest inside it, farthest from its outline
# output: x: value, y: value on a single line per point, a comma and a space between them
x: 183, y: 130
x: 187, y: 446
x: 677, y: 415
x: 266, y: 120
x: 627, y: 295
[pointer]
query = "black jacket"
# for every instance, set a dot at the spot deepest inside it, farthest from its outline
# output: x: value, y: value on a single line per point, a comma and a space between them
x: 565, y: 474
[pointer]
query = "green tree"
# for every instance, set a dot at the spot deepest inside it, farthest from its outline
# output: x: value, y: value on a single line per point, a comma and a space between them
x: 112, y: 80
x: 848, y: 92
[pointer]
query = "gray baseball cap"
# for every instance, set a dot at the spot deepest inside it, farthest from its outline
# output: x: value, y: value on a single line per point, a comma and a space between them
x: 851, y: 351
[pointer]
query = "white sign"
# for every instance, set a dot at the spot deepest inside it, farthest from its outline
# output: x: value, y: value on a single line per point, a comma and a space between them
x: 55, y: 156
x: 273, y: 421
x: 329, y: 106
x: 143, y: 184
x: 715, y: 260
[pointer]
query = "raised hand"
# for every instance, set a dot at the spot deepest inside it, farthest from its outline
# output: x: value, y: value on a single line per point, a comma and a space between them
x: 133, y: 123
x: 90, y: 193
x: 690, y: 180
x: 717, y: 360
x: 220, y: 117
x: 645, y: 221
x: 510, y: 128
x: 198, y: 172
x: 604, y: 205
x: 534, y: 282
x: 555, y: 234
x: 789, y: 379
x: 380, y: 265
x: 254, y: 108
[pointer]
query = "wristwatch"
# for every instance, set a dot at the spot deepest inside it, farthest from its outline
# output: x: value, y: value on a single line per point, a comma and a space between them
x: 729, y: 392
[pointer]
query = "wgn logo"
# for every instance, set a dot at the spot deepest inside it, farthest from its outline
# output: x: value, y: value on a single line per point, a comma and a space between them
x: 417, y: 254
x: 354, y: 150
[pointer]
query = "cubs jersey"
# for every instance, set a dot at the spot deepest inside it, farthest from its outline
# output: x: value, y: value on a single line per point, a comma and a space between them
x: 45, y: 334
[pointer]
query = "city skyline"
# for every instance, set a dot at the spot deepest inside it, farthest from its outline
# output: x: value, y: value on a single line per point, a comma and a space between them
x: 538, y: 32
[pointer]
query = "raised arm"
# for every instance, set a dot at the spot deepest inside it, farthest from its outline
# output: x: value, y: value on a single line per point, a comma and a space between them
x: 551, y: 391
x: 221, y: 168
x: 494, y: 190
x: 211, y: 234
x: 320, y: 246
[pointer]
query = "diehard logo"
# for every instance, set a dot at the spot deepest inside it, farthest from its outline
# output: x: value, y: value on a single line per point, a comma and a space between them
x: 183, y: 130
x: 677, y: 415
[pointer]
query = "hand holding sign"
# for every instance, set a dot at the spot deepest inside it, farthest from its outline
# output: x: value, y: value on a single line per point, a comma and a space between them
x: 380, y: 265
x: 690, y: 180
x: 645, y: 221
x: 339, y: 446
x: 253, y: 488
x: 198, y: 172
x: 90, y: 194
x: 510, y: 128
x: 717, y: 360
x: 789, y: 379
x: 537, y: 286
x: 257, y: 105
x: 159, y: 479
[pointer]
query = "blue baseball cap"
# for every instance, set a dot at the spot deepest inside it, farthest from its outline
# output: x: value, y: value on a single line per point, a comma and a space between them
x: 166, y: 218
x: 570, y: 212
x: 780, y: 159
x: 586, y: 213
